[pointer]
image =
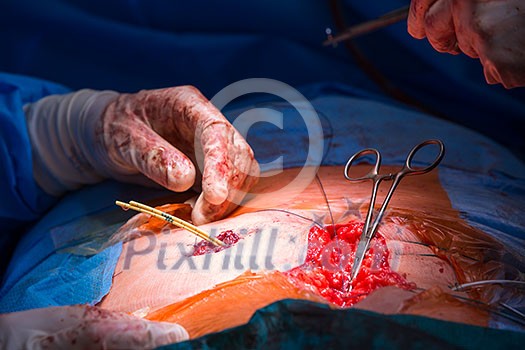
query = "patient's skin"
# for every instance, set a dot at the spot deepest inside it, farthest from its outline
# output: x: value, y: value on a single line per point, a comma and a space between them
x: 429, y: 243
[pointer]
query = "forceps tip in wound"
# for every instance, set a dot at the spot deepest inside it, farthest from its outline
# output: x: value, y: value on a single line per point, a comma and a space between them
x: 370, y: 228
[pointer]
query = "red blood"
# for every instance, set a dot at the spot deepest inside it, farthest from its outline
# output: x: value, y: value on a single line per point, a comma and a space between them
x: 204, y: 247
x: 329, y: 262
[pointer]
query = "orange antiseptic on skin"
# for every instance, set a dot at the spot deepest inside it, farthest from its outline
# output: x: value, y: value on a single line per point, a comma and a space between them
x: 422, y: 241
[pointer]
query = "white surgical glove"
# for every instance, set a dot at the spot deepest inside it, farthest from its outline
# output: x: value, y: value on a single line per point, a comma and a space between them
x: 491, y: 30
x: 83, y: 137
x: 84, y: 327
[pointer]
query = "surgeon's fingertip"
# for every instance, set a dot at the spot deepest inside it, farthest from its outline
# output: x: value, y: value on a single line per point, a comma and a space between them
x: 181, y: 177
x: 444, y: 45
x: 197, y: 214
x: 417, y: 33
x: 414, y: 26
x: 198, y: 219
x: 491, y: 74
x: 215, y: 193
x: 165, y: 333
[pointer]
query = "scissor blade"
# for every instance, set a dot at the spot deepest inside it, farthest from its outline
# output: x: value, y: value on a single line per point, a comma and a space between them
x: 369, y: 26
x: 362, y: 247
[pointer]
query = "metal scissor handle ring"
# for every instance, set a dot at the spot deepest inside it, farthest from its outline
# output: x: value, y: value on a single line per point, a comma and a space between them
x: 372, y: 173
x: 418, y: 171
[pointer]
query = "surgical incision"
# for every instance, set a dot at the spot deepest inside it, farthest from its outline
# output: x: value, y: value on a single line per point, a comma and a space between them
x: 328, y: 262
x: 331, y: 251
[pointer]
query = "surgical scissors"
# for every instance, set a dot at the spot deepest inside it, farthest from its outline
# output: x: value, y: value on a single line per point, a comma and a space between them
x: 408, y: 169
x: 369, y: 26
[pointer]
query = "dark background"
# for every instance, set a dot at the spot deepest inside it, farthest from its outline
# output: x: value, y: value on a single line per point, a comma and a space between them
x: 130, y: 45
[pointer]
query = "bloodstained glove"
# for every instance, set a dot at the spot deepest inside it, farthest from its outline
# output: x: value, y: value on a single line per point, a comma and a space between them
x: 84, y: 327
x: 491, y: 30
x: 86, y: 136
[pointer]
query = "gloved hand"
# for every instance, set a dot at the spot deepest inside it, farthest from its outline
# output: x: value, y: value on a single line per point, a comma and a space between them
x: 491, y: 30
x: 83, y: 137
x: 84, y: 327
